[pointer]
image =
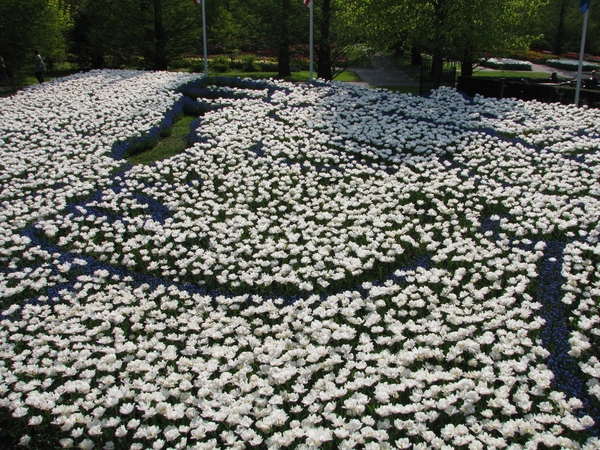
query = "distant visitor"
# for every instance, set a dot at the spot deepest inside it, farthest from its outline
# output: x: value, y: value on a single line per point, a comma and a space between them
x: 40, y: 67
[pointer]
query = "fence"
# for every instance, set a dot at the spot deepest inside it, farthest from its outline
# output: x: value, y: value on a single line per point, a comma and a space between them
x: 527, y: 90
x: 429, y: 81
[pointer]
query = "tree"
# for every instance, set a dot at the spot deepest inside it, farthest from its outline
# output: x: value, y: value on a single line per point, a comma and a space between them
x: 100, y: 37
x: 282, y: 26
x: 560, y: 24
x: 560, y: 36
x: 324, y: 66
x: 115, y: 33
x: 447, y: 29
x: 491, y: 27
x: 276, y: 26
x: 283, y: 51
x: 231, y: 24
x: 335, y: 38
x: 29, y: 25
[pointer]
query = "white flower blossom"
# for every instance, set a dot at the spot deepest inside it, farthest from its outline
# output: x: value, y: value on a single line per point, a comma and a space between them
x: 328, y: 265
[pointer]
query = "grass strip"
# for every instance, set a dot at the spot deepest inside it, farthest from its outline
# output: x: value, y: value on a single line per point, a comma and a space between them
x: 295, y: 77
x: 168, y: 146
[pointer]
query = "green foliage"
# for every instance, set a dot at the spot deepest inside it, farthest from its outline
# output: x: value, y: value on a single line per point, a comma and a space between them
x: 161, y: 34
x: 29, y: 25
x: 560, y: 24
x: 457, y: 29
x: 249, y: 63
x: 268, y: 65
x: 219, y: 64
x: 133, y: 33
x: 99, y: 38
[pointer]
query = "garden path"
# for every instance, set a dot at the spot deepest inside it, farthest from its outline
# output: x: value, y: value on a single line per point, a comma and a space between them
x: 384, y: 73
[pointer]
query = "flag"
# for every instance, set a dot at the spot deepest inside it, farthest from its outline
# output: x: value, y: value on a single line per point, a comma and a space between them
x: 584, y: 5
x: 307, y: 2
x: 197, y: 2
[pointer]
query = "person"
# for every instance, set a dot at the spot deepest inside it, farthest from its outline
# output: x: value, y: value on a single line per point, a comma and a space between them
x: 554, y: 77
x: 39, y: 67
x: 593, y: 80
x: 3, y: 70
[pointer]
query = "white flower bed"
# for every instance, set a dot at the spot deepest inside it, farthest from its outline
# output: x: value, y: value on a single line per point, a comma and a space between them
x: 571, y: 64
x: 582, y: 289
x: 507, y: 64
x: 329, y: 265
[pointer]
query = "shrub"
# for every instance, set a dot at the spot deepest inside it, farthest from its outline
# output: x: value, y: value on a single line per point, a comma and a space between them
x: 220, y: 63
x: 187, y: 62
x: 268, y: 65
x: 249, y: 63
x: 179, y: 63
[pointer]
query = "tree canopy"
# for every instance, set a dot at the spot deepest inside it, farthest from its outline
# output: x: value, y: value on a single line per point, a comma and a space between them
x: 152, y: 33
x: 147, y: 34
x: 29, y: 25
x: 453, y: 29
x: 560, y: 24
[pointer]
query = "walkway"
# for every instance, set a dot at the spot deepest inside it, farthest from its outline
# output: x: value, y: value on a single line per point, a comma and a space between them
x: 384, y: 73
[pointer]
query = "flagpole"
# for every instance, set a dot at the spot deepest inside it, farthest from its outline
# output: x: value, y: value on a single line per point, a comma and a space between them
x: 581, y: 49
x: 311, y: 40
x: 204, y: 38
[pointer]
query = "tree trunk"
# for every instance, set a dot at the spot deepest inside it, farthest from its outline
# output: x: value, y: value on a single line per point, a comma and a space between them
x: 283, y: 57
x: 160, y: 38
x: 98, y: 61
x: 440, y: 12
x: 415, y: 57
x: 560, y: 29
x: 437, y: 67
x: 324, y: 69
x: 466, y: 66
x: 398, y: 49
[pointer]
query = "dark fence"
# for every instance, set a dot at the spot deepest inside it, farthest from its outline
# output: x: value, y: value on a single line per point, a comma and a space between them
x: 527, y: 90
x: 429, y: 81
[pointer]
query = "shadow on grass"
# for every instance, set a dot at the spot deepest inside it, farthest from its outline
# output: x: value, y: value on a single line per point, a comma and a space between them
x: 168, y: 146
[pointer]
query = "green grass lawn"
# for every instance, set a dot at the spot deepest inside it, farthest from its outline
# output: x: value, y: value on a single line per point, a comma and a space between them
x: 295, y: 77
x: 509, y: 74
x: 168, y: 146
x: 23, y: 80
